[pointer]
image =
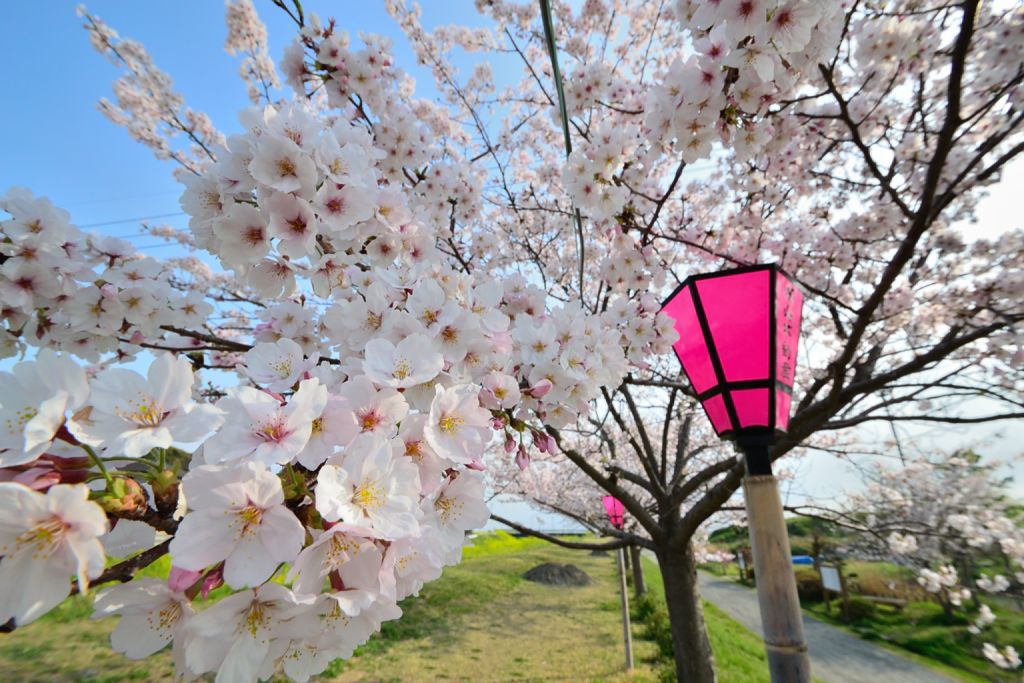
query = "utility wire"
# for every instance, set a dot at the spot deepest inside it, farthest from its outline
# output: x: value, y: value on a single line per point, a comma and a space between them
x: 132, y: 220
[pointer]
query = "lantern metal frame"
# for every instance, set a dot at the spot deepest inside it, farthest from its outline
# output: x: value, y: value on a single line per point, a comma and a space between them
x: 755, y: 441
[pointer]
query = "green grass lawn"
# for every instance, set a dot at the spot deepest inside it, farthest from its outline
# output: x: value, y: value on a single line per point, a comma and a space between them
x: 481, y: 621
x: 739, y: 654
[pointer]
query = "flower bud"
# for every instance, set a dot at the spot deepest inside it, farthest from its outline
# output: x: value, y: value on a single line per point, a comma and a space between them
x: 522, y: 458
x: 541, y: 388
x: 165, y: 491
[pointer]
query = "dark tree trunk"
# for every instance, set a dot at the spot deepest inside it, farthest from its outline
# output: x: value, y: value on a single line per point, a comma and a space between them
x: 695, y: 662
x: 639, y: 585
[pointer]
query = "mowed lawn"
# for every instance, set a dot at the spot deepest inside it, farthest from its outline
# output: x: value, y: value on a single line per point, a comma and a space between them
x: 480, y: 622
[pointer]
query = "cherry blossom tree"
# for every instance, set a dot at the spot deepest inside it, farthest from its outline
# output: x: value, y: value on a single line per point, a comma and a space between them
x: 524, y: 233
x: 849, y: 142
x: 939, y: 516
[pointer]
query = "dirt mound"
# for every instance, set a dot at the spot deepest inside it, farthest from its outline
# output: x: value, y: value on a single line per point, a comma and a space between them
x: 553, y: 574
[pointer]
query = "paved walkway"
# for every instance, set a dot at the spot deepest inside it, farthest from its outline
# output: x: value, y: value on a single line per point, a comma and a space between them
x: 836, y: 656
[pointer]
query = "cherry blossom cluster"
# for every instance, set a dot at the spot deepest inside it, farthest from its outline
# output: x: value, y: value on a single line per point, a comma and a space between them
x: 363, y: 501
x: 248, y: 35
x: 932, y: 514
x: 84, y: 293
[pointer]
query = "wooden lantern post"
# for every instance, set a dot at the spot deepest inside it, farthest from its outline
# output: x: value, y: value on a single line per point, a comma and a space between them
x: 616, y: 515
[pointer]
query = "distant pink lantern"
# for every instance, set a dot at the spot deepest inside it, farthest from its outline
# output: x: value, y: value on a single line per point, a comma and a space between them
x: 738, y: 334
x: 615, y: 509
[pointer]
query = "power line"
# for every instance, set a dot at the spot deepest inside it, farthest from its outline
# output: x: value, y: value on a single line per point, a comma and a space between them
x: 132, y: 220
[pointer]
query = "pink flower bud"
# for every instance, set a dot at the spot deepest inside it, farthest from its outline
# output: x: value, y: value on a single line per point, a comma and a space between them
x: 541, y: 388
x: 551, y: 444
x: 109, y: 291
x: 540, y: 441
x: 498, y: 423
x: 510, y: 443
x: 137, y: 337
x: 180, y: 579
x: 475, y: 464
x: 213, y: 580
x: 522, y: 458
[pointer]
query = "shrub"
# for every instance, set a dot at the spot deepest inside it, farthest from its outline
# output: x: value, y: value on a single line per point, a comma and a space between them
x: 808, y: 587
x: 859, y: 609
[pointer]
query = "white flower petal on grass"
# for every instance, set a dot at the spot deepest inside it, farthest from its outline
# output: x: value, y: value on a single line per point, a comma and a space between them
x: 45, y: 539
x: 236, y: 514
x: 131, y: 414
x: 371, y: 488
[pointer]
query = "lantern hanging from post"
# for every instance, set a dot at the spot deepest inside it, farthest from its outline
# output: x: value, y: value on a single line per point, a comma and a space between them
x: 615, y: 509
x: 738, y: 334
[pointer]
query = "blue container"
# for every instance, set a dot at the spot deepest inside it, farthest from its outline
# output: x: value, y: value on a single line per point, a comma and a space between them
x: 803, y: 559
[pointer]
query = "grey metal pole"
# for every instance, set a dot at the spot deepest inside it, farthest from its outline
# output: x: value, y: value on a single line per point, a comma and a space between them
x: 773, y: 567
x: 627, y: 634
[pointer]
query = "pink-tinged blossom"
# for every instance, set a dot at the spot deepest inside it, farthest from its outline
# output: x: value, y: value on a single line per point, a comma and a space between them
x: 36, y: 397
x: 371, y: 487
x: 347, y: 552
x: 377, y: 411
x: 279, y: 365
x: 45, y: 540
x: 151, y: 612
x: 457, y: 427
x: 236, y: 514
x: 500, y: 391
x: 130, y: 414
x: 335, y: 428
x: 414, y: 360
x: 258, y: 428
x: 458, y: 507
x: 235, y: 636
x: 281, y: 165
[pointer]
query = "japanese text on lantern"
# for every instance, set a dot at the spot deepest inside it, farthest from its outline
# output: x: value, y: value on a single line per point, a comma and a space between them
x: 788, y: 302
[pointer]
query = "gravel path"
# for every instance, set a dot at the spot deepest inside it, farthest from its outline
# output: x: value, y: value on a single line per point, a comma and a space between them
x: 836, y: 656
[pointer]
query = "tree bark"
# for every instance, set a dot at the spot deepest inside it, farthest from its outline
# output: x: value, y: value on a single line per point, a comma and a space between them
x: 639, y: 585
x: 695, y: 662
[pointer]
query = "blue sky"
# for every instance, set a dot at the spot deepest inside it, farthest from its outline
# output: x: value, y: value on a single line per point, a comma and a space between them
x: 57, y: 143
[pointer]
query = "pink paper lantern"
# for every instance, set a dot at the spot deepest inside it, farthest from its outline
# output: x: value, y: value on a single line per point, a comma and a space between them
x: 738, y: 335
x: 615, y: 509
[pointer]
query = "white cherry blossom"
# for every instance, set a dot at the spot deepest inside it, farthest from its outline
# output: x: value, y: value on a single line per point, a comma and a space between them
x: 458, y: 427
x: 130, y: 414
x: 37, y: 396
x: 46, y: 539
x: 258, y: 428
x: 371, y: 487
x: 236, y: 514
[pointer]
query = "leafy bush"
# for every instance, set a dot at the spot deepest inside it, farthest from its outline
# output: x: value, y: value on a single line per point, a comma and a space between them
x: 859, y: 609
x: 808, y: 586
